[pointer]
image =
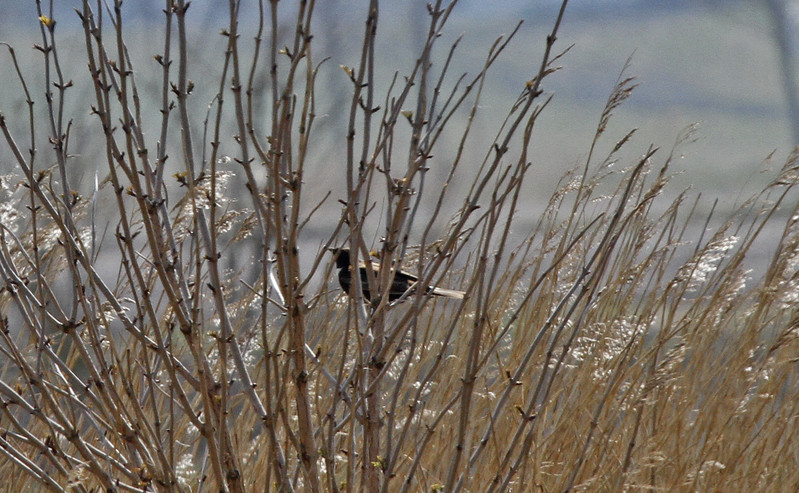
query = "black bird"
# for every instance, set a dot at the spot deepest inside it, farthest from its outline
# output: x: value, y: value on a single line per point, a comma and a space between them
x: 402, y: 280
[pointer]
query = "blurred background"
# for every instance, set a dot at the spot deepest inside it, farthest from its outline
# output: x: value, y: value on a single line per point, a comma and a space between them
x: 724, y: 65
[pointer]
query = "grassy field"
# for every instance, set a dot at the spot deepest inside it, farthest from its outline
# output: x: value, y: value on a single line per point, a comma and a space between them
x: 171, y: 319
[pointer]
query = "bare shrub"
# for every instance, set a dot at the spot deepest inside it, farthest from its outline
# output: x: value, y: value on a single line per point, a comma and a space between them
x: 161, y: 332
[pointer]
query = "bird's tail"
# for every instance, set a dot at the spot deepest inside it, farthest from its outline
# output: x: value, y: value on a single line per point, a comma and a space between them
x: 449, y: 293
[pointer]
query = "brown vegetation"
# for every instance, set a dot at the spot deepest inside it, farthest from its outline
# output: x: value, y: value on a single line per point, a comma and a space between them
x: 613, y: 348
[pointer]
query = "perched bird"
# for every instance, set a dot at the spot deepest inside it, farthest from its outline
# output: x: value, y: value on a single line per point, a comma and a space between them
x: 402, y: 280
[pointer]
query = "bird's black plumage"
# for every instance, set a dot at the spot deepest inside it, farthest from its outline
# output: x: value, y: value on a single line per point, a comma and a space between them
x: 402, y: 280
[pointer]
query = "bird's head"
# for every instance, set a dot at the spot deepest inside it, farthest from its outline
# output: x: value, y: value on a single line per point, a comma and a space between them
x: 342, y: 256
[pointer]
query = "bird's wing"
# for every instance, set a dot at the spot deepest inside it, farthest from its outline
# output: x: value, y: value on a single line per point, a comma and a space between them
x: 399, y: 275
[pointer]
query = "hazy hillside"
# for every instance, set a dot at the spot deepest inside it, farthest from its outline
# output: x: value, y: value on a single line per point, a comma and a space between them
x: 711, y: 63
x: 708, y: 63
